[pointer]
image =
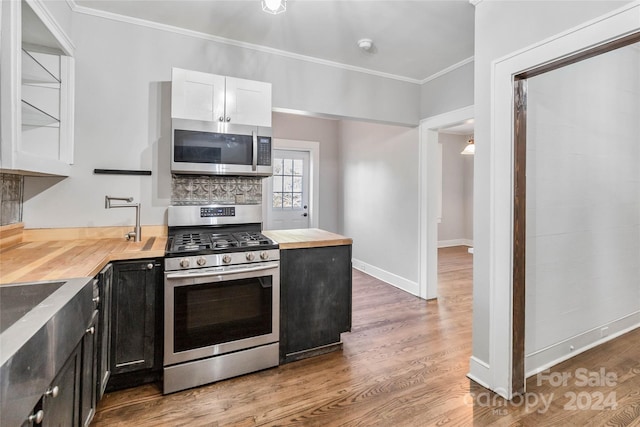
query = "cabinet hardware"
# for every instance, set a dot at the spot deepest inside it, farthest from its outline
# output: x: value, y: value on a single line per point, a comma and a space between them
x: 91, y: 330
x: 37, y: 417
x: 53, y: 392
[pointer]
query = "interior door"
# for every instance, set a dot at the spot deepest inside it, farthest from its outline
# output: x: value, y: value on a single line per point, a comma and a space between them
x: 289, y: 199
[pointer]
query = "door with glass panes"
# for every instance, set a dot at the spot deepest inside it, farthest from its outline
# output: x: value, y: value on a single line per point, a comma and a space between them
x: 289, y: 202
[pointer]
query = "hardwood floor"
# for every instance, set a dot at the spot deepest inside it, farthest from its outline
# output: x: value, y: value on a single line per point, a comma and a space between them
x: 403, y: 364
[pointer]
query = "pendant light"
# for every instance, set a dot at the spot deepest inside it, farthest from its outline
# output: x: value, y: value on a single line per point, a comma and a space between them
x: 274, y: 6
x: 470, y: 149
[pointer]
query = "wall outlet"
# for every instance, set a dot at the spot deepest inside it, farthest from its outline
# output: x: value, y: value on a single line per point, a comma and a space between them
x: 604, y: 332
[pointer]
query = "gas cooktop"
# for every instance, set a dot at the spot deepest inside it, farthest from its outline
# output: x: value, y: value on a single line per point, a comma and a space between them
x: 215, y: 229
x: 213, y: 241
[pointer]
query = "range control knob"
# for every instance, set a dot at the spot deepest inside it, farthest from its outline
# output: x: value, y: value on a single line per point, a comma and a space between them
x: 264, y: 255
x: 250, y: 256
x: 184, y: 263
x: 226, y: 259
x: 201, y: 261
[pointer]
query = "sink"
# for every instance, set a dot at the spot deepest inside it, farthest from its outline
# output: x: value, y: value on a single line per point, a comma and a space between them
x: 18, y: 300
x: 41, y: 324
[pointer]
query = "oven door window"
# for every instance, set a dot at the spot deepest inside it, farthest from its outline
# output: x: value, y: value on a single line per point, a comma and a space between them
x: 215, y: 313
x: 209, y: 147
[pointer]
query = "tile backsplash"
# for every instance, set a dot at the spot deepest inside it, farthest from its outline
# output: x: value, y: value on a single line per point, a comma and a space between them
x: 204, y: 189
x: 11, y: 198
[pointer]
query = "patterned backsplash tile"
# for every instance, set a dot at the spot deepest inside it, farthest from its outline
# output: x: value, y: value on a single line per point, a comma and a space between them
x: 205, y: 190
x: 11, y: 198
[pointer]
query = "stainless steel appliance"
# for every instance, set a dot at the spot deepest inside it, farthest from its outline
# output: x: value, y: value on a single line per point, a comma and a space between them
x: 221, y: 295
x: 220, y: 149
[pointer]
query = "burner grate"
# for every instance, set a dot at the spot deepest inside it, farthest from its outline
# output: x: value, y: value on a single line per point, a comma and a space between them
x: 190, y: 242
x: 250, y: 238
x: 194, y: 240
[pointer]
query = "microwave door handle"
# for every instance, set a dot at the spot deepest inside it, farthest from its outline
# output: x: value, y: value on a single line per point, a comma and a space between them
x: 254, y: 164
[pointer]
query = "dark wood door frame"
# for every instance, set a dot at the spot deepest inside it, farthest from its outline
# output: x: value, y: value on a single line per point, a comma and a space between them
x: 519, y: 235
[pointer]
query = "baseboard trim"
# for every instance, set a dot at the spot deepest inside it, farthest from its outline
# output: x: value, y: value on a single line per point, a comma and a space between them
x: 390, y: 278
x: 454, y: 242
x: 479, y: 372
x: 545, y: 358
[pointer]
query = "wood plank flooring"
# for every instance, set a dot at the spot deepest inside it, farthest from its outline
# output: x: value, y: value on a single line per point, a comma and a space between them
x: 403, y: 364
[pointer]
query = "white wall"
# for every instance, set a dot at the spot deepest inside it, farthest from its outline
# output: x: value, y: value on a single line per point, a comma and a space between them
x: 448, y: 92
x: 380, y: 199
x: 583, y: 204
x: 500, y: 29
x: 326, y: 132
x: 456, y: 227
x: 122, y: 113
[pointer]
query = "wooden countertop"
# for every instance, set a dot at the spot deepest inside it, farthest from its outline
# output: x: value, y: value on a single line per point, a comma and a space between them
x: 29, y: 256
x: 306, y: 238
x: 65, y: 259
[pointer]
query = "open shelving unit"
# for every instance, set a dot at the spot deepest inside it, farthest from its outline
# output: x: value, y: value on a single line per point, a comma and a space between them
x: 43, y: 85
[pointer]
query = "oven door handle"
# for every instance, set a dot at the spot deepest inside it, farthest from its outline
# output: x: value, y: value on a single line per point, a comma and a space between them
x: 220, y: 273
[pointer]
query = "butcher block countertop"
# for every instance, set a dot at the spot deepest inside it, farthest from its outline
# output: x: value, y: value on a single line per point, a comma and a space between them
x: 306, y: 238
x: 55, y: 254
x: 32, y: 260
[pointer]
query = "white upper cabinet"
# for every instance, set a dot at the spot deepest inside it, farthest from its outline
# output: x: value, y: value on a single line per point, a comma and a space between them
x: 213, y: 98
x: 37, y: 86
x: 196, y: 95
x: 248, y: 102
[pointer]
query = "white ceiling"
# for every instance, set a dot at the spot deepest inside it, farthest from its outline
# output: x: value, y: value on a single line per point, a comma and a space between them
x: 412, y: 40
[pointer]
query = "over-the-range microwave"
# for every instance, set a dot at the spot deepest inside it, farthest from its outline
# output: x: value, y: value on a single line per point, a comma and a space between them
x: 208, y: 148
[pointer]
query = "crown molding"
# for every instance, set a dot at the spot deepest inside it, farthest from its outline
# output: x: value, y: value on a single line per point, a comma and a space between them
x: 448, y: 70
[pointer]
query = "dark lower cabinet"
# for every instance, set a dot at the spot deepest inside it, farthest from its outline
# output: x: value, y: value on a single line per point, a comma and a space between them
x: 136, y: 323
x: 104, y: 330
x: 61, y: 402
x: 315, y: 300
x: 88, y: 398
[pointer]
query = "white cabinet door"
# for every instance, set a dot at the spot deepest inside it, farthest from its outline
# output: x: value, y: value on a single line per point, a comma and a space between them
x: 196, y: 95
x: 248, y: 102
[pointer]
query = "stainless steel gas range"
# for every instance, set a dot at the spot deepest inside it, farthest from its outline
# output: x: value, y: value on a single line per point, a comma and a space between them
x: 221, y: 295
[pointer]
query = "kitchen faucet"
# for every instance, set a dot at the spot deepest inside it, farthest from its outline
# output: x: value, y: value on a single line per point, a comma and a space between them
x: 136, y: 233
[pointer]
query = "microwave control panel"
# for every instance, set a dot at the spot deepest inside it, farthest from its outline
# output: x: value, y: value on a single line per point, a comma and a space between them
x: 264, y: 151
x: 210, y: 212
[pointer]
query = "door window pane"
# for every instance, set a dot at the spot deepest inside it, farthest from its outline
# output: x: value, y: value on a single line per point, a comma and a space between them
x: 287, y: 183
x: 298, y: 167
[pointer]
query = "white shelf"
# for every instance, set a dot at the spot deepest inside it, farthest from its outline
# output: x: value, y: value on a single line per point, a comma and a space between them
x: 33, y: 116
x: 34, y: 73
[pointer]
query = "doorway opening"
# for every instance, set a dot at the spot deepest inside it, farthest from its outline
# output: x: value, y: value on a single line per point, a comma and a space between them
x: 455, y: 222
x: 431, y: 192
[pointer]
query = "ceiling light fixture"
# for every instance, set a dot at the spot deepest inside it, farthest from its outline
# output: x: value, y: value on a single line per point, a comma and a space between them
x: 365, y: 44
x: 274, y: 6
x: 470, y: 149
